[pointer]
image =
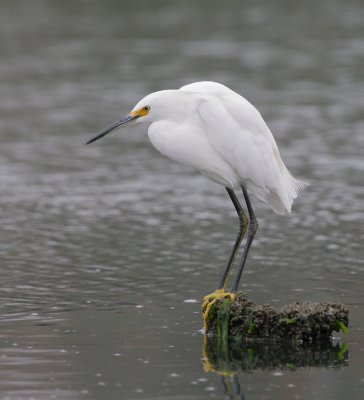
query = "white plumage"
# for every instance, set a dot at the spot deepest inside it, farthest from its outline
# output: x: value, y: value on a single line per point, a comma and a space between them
x: 209, y: 127
x: 213, y: 129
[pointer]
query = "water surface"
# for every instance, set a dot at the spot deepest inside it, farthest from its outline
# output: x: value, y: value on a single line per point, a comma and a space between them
x: 106, y: 250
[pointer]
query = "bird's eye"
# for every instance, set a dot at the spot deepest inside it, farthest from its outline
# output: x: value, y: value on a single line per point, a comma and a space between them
x: 146, y: 108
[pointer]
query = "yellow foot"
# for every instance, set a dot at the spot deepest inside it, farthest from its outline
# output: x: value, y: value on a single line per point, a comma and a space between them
x: 210, y: 299
x: 221, y: 368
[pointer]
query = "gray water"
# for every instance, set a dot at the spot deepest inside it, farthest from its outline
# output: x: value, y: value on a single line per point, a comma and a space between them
x: 106, y: 250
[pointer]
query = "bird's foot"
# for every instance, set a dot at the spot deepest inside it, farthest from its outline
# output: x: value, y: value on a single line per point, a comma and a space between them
x: 210, y: 299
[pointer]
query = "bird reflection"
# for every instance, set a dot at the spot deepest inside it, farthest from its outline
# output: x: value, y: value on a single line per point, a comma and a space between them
x: 227, y: 359
x: 231, y: 388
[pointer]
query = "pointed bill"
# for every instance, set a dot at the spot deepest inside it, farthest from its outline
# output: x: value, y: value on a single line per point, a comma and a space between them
x: 122, y: 122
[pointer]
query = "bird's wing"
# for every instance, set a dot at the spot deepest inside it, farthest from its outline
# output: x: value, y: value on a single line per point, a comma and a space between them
x: 253, y: 156
x: 241, y: 137
x: 240, y: 143
x: 238, y: 107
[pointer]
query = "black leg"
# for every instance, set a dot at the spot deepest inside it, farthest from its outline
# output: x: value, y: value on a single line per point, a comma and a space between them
x: 237, y: 389
x: 243, y: 219
x: 253, y: 226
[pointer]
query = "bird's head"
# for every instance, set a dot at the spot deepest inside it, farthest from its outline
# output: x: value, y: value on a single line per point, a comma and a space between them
x: 151, y: 108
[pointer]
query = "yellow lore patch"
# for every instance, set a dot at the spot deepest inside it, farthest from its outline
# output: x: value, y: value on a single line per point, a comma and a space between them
x: 142, y: 112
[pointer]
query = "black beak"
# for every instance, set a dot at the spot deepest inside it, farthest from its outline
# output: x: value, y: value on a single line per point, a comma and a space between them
x: 124, y: 121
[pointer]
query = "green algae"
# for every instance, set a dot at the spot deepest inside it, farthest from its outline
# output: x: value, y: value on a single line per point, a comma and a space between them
x: 243, y: 320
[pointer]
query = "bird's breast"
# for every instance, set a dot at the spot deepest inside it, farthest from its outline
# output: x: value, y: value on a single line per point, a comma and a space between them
x: 188, y: 144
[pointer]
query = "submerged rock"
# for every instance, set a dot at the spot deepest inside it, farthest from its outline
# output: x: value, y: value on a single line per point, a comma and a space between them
x: 306, y: 322
x: 272, y: 355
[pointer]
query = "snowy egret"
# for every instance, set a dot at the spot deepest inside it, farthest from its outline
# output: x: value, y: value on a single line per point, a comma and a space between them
x: 209, y: 127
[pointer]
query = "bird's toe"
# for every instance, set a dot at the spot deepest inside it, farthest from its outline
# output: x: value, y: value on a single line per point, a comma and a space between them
x: 210, y: 299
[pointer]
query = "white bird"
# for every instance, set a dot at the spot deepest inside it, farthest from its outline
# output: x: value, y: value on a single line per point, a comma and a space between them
x: 209, y: 127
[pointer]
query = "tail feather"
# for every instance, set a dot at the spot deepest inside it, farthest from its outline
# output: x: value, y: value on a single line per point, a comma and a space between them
x: 280, y: 199
x: 292, y: 187
x: 299, y: 185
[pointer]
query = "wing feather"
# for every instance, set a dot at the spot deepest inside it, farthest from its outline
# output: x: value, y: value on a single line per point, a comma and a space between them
x: 249, y: 150
x: 240, y: 135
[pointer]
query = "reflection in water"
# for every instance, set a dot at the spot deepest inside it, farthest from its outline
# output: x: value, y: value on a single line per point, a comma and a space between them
x: 85, y: 231
x: 231, y: 388
x: 227, y: 359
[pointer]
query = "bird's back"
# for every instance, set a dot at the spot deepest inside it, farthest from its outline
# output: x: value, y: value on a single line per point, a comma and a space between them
x: 247, y: 144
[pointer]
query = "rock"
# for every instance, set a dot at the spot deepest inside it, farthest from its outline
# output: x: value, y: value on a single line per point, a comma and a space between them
x: 243, y: 320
